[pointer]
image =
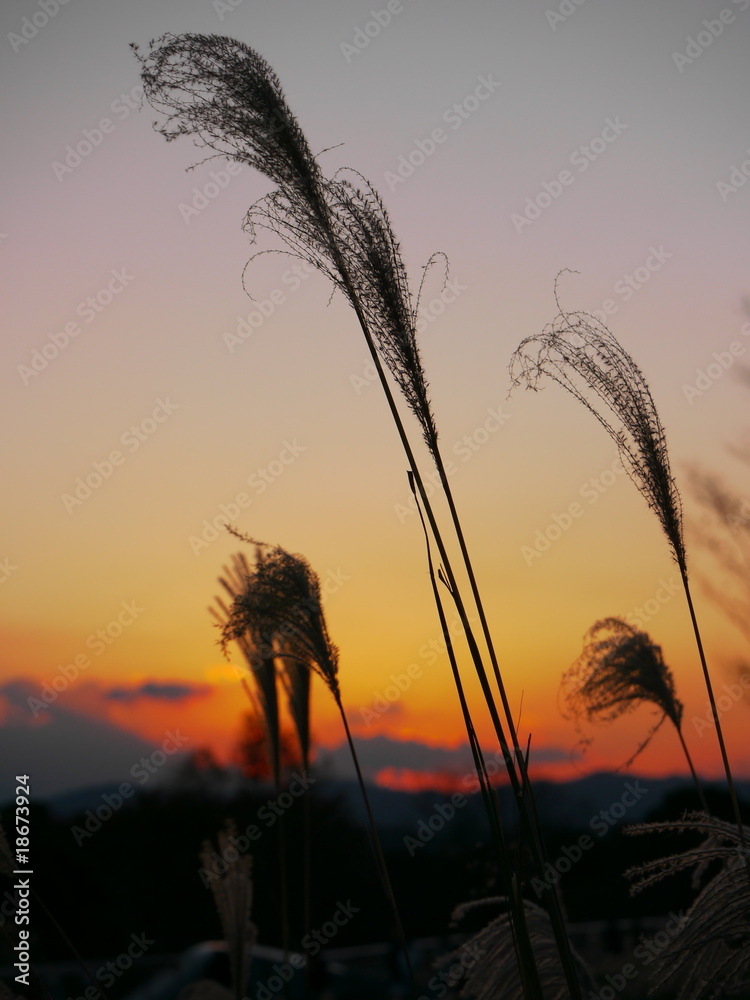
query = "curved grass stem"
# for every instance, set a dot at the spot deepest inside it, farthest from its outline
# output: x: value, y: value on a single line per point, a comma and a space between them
x: 694, y: 773
x: 714, y: 712
x: 378, y: 850
x: 525, y: 802
x: 528, y: 972
x: 526, y: 794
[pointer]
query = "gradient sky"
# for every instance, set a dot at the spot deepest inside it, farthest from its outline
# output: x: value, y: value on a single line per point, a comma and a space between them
x: 301, y: 379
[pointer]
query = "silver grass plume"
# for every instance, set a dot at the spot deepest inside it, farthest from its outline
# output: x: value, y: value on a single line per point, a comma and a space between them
x: 579, y: 353
x: 619, y: 669
x: 295, y: 678
x: 490, y: 961
x: 341, y: 228
x: 258, y: 658
x: 373, y: 259
x: 260, y: 654
x: 356, y: 249
x: 279, y: 602
x: 233, y: 894
x: 583, y: 356
x: 337, y: 225
x: 710, y: 957
x: 227, y: 97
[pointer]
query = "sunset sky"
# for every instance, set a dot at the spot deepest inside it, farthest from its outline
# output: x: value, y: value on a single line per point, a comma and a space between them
x: 651, y: 141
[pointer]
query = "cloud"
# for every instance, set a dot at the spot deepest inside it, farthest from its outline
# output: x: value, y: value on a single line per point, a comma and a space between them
x: 18, y: 690
x: 14, y: 702
x: 67, y: 750
x: 384, y: 755
x: 70, y: 744
x: 158, y: 691
x: 551, y: 755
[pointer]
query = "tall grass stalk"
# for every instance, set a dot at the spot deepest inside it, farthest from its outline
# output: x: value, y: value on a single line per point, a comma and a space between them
x: 227, y: 97
x: 389, y: 328
x: 295, y: 678
x: 522, y: 787
x: 378, y: 849
x: 281, y: 597
x: 584, y: 357
x: 528, y: 972
x: 233, y: 894
x: 714, y: 709
x: 280, y: 843
x: 264, y: 698
x: 524, y: 801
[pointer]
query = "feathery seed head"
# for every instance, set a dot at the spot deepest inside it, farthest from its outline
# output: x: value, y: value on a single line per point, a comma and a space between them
x: 345, y: 233
x: 619, y: 669
x: 258, y: 657
x: 584, y: 357
x: 709, y: 954
x: 495, y: 974
x: 381, y: 287
x: 295, y: 678
x: 232, y: 890
x: 279, y: 603
x: 228, y: 98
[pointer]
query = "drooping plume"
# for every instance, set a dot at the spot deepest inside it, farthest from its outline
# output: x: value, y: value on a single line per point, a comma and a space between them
x: 295, y: 678
x: 279, y: 602
x: 487, y: 964
x: 226, y: 96
x: 584, y: 357
x: 258, y: 656
x: 581, y: 354
x: 709, y: 955
x: 619, y: 669
x: 346, y: 234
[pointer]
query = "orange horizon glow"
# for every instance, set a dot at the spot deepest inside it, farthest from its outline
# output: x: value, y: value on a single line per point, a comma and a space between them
x: 284, y: 431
